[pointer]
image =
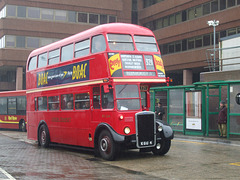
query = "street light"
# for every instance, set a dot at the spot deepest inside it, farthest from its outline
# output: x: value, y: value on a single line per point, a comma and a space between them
x: 214, y: 23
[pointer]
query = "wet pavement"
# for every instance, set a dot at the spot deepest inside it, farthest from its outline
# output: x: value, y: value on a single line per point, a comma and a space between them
x: 188, y: 158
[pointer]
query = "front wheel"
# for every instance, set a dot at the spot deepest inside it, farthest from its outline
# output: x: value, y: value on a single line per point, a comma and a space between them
x: 43, y: 136
x: 106, y: 146
x: 162, y: 147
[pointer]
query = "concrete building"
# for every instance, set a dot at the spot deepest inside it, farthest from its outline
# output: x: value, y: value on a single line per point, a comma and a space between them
x: 183, y: 34
x: 29, y: 24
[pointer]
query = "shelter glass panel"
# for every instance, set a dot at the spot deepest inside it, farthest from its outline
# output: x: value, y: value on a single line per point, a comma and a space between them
x: 235, y: 99
x: 235, y: 124
x: 176, y: 101
x: 176, y: 122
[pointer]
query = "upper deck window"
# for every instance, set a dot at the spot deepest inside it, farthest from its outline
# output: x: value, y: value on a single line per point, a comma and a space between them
x: 98, y: 44
x: 146, y: 43
x: 67, y: 52
x: 42, y: 60
x: 120, y: 42
x: 32, y: 63
x: 82, y: 48
x: 53, y: 57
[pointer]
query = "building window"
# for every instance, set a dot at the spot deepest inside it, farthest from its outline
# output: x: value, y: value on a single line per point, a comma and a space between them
x: 206, y: 40
x: 165, y: 49
x: 198, y: 11
x: 83, y: 17
x: 178, y: 46
x: 47, y: 14
x: 103, y: 19
x: 159, y: 23
x: 53, y: 103
x: 223, y: 34
x: 34, y: 12
x: 165, y: 22
x: 191, y: 43
x: 178, y: 18
x: 238, y: 2
x: 214, y: 6
x: 20, y: 41
x: 71, y: 16
x: 45, y: 41
x: 231, y: 31
x: 184, y: 15
x: 53, y: 57
x: 60, y: 15
x: 206, y: 9
x: 171, y: 48
x: 112, y: 19
x: 10, y: 41
x: 198, y: 42
x: 11, y: 10
x: 42, y: 60
x: 93, y: 18
x: 67, y: 52
x: 222, y: 4
x: 230, y: 3
x: 172, y: 20
x: 21, y: 11
x: 191, y: 13
x: 32, y: 42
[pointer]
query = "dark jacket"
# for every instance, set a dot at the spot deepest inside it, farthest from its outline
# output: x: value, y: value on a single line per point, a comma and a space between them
x: 159, y: 110
x: 222, y: 116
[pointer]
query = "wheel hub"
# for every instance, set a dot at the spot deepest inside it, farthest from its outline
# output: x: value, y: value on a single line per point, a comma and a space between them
x: 43, y: 137
x: 104, y: 144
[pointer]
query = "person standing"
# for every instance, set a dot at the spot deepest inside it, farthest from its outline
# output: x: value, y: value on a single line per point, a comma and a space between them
x: 222, y: 120
x: 159, y: 111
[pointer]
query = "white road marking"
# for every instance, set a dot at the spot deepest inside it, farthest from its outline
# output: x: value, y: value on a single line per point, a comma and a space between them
x: 6, y: 174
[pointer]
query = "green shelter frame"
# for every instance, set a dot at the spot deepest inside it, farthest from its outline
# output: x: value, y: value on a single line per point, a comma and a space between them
x: 211, y: 93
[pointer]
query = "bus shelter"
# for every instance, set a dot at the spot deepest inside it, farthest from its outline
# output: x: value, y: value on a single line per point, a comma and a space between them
x: 193, y: 109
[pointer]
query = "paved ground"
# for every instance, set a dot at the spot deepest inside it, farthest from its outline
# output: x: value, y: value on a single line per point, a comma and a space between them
x: 188, y: 158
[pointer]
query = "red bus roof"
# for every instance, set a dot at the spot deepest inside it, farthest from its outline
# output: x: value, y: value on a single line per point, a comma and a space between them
x: 13, y: 93
x: 122, y: 28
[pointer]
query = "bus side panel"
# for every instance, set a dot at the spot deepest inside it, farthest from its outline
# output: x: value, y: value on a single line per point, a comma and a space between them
x: 31, y: 125
x: 11, y: 121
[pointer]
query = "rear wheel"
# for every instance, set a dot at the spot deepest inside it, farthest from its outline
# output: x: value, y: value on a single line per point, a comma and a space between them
x: 22, y: 126
x: 43, y: 136
x: 162, y: 147
x: 106, y: 146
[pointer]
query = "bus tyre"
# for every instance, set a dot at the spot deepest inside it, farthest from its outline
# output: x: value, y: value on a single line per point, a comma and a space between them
x: 106, y: 146
x: 162, y: 148
x: 22, y: 126
x: 43, y: 136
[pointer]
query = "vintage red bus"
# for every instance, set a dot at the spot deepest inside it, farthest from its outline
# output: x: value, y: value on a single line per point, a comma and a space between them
x: 92, y: 90
x: 13, y: 110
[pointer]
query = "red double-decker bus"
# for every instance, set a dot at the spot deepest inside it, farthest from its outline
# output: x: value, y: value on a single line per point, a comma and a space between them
x: 13, y: 110
x: 92, y: 90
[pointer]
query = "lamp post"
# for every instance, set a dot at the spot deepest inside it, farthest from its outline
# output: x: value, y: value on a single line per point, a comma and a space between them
x: 214, y: 23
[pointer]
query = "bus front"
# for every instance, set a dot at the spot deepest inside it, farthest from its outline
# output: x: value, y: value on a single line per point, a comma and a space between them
x: 135, y: 65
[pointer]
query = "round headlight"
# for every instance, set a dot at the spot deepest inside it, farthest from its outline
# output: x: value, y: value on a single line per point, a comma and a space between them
x: 127, y: 130
x: 160, y: 128
x: 158, y: 146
